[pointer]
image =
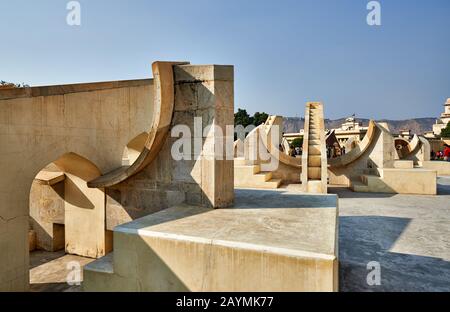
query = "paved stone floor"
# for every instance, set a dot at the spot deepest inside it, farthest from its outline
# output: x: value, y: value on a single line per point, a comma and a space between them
x: 49, y: 271
x: 408, y: 235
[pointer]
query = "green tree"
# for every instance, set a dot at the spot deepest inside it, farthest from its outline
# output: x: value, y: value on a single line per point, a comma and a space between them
x: 298, y: 142
x: 242, y: 118
x: 259, y: 118
x: 445, y: 133
x: 15, y: 85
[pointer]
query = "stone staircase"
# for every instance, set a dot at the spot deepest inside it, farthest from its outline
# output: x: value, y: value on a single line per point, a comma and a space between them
x: 365, y: 181
x: 313, y: 179
x: 250, y: 176
x: 314, y: 147
x: 360, y: 185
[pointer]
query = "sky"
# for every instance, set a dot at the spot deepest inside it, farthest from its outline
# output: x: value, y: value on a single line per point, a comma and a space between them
x: 285, y: 52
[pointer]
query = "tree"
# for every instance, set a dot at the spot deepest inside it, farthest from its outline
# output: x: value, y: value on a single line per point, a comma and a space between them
x: 13, y: 85
x: 242, y: 118
x: 298, y: 142
x: 259, y: 118
x: 445, y: 133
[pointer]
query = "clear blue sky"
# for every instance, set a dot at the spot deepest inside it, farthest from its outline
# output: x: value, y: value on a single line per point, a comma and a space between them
x: 284, y: 52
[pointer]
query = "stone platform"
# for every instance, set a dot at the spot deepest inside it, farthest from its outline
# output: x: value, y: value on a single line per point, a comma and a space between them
x: 398, y: 181
x: 270, y: 241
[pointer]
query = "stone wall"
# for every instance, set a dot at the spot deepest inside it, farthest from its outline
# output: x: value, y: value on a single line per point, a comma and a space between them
x: 38, y: 126
x: 203, y: 92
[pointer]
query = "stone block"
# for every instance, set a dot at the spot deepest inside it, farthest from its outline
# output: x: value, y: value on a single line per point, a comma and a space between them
x: 403, y: 164
x: 269, y: 241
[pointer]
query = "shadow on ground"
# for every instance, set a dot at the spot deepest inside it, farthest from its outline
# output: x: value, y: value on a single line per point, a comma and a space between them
x: 367, y: 238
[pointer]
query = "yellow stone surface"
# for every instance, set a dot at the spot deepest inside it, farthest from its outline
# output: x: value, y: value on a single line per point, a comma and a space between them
x: 270, y: 241
x: 442, y: 167
x: 400, y: 181
x: 403, y: 164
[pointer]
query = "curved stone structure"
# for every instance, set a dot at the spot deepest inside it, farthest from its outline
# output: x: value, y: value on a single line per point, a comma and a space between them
x: 163, y: 111
x: 402, y: 148
x: 417, y: 150
x: 266, y: 133
x: 259, y: 163
x: 356, y: 152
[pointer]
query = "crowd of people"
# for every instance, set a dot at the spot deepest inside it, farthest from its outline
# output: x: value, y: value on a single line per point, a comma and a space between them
x: 335, y: 151
x: 441, y: 155
x: 332, y: 151
x: 295, y: 151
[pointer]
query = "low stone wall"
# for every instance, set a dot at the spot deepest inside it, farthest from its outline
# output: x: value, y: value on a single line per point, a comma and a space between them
x: 404, y: 181
x: 442, y: 167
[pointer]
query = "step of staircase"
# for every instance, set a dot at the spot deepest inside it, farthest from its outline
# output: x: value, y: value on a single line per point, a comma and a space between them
x: 240, y: 161
x: 314, y: 173
x: 263, y: 176
x: 369, y: 179
x: 314, y: 150
x: 314, y: 161
x: 98, y: 271
x: 252, y: 177
x: 359, y: 187
x: 270, y: 184
x: 246, y: 169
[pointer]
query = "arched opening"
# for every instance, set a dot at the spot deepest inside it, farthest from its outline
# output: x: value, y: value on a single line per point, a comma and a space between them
x: 67, y: 223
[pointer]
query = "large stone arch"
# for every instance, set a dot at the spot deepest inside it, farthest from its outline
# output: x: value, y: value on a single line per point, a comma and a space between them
x: 82, y: 211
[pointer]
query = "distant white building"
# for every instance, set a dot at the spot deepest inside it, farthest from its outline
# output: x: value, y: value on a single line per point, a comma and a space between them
x: 442, y: 122
x: 350, y: 129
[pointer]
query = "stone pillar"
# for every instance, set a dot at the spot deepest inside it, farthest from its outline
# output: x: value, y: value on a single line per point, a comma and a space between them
x: 206, y: 94
x: 383, y: 153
